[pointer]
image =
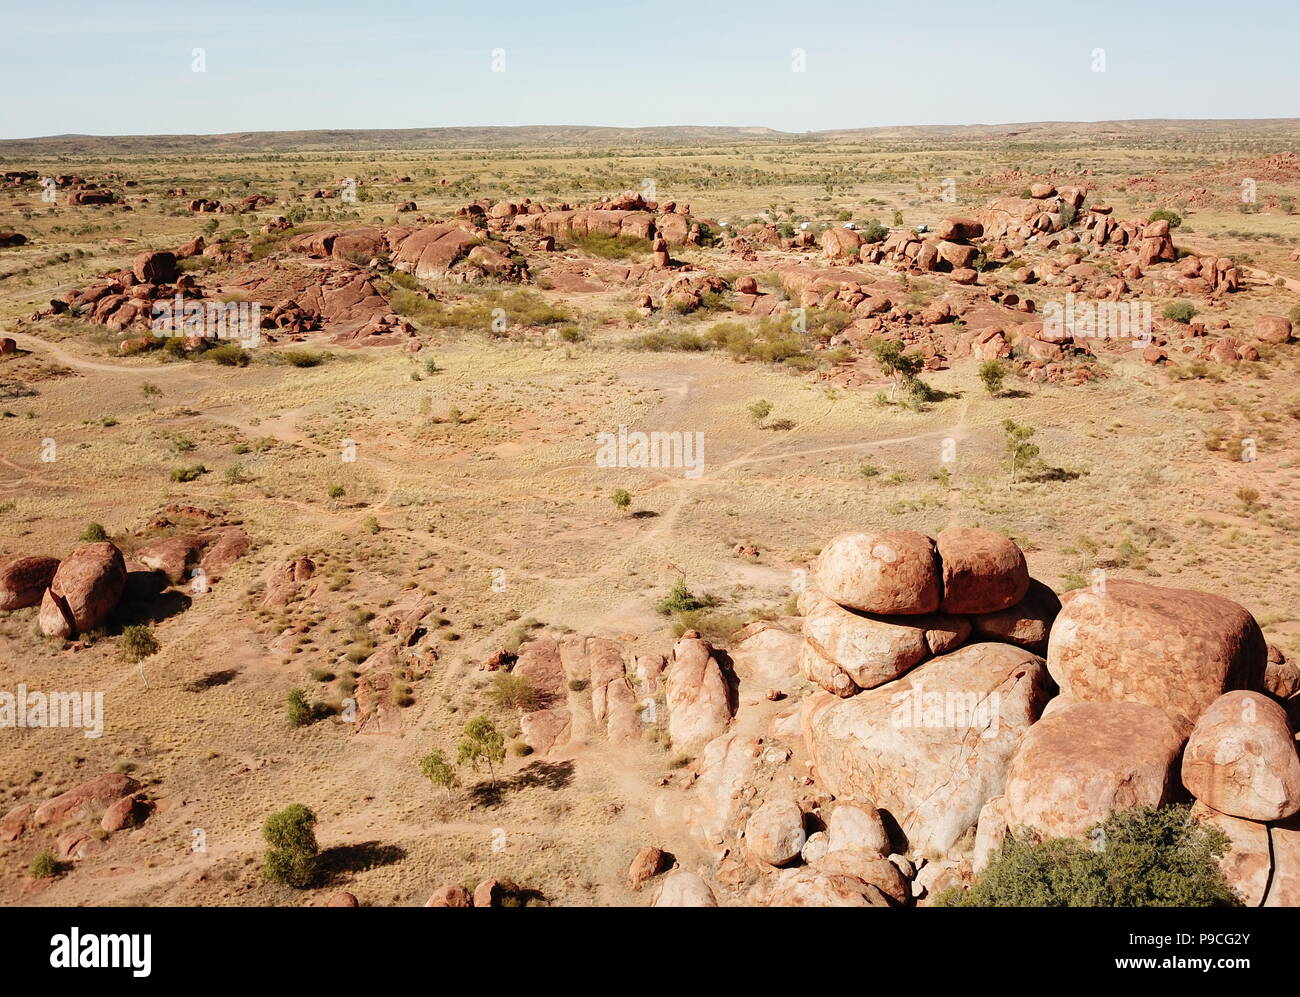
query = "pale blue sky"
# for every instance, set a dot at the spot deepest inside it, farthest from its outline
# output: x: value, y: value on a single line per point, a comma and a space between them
x: 125, y: 68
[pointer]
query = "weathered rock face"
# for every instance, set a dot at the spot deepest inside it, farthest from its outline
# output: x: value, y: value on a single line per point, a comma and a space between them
x: 171, y: 555
x: 765, y: 653
x: 983, y: 571
x: 810, y: 887
x: 1273, y: 329
x: 869, y: 650
x: 1247, y: 864
x: 684, y: 889
x: 613, y: 702
x: 774, y: 833
x: 646, y: 864
x: 24, y: 580
x: 699, y: 701
x: 1281, y: 677
x: 286, y: 580
x: 725, y: 768
x: 1027, y: 624
x: 84, y: 591
x: 886, y: 573
x: 854, y: 826
x: 450, y: 896
x: 1084, y: 760
x: 1172, y: 648
x: 549, y: 724
x: 1241, y: 758
x: 1284, y: 842
x: 84, y: 800
x: 931, y: 748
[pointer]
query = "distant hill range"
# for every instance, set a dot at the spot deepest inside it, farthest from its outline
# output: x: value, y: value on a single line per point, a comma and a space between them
x: 558, y: 136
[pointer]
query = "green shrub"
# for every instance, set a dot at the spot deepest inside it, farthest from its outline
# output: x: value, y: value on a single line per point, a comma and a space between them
x: 93, y: 533
x: 1180, y: 311
x: 188, y: 473
x: 291, y: 856
x: 510, y: 691
x: 138, y: 643
x: 1165, y: 215
x: 229, y: 355
x: 992, y: 374
x: 297, y: 710
x: 611, y: 247
x: 304, y: 358
x: 679, y: 600
x: 1135, y: 858
x: 44, y: 866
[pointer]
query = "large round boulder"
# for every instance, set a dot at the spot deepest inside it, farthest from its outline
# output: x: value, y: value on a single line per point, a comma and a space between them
x: 1084, y: 760
x: 24, y: 580
x: 774, y: 833
x: 888, y: 573
x: 1173, y: 648
x: 1241, y: 758
x: 84, y: 591
x: 852, y: 826
x: 929, y: 749
x: 983, y: 571
x: 869, y: 649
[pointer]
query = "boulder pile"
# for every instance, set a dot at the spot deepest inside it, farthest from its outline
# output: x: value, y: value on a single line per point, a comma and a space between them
x: 957, y: 701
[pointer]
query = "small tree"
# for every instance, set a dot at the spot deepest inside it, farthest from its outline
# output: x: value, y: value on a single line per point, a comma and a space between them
x: 899, y: 366
x: 138, y: 643
x: 435, y: 767
x: 759, y: 411
x: 291, y: 856
x: 1021, y: 454
x: 621, y: 498
x: 480, y: 741
x: 993, y: 373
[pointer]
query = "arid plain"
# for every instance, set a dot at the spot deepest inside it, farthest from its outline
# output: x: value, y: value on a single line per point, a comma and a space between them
x: 409, y: 483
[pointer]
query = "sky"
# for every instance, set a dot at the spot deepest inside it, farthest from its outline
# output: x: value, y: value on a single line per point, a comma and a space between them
x: 129, y: 68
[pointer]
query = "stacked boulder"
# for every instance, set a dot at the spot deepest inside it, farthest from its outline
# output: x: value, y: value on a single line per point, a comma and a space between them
x: 888, y: 628
x: 880, y: 604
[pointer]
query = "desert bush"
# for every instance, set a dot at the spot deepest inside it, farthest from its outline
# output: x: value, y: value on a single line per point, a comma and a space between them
x: 229, y: 355
x: 611, y: 247
x: 44, y: 866
x: 1179, y: 311
x: 1165, y: 215
x: 992, y: 374
x: 93, y: 533
x: 297, y: 710
x: 292, y: 852
x: 190, y: 473
x: 1135, y: 858
x: 679, y: 600
x: 510, y: 691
